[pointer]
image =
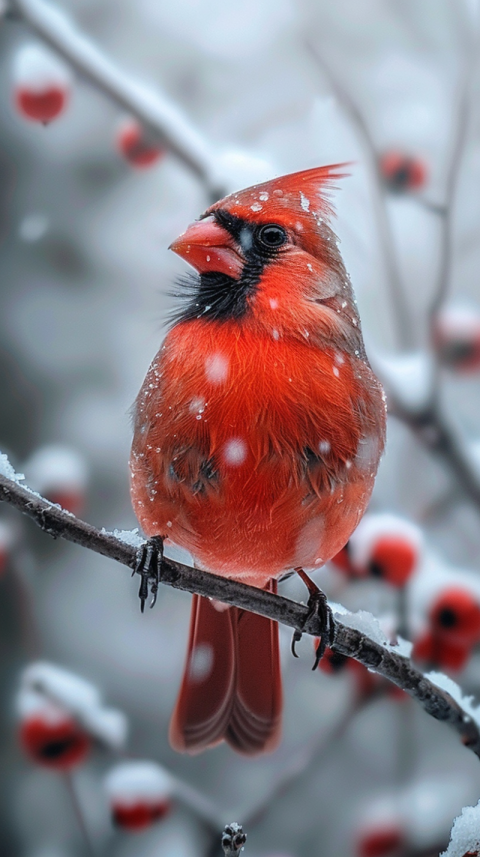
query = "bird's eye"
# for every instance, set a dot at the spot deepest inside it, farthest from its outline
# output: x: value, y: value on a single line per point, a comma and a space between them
x: 271, y: 235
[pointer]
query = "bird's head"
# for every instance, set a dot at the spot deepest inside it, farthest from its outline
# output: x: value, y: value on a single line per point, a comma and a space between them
x: 267, y: 254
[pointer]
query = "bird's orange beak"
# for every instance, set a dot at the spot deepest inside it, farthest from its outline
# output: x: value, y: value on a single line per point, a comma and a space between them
x: 207, y: 246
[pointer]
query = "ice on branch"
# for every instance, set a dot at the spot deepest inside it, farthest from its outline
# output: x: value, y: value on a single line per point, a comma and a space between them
x: 465, y: 836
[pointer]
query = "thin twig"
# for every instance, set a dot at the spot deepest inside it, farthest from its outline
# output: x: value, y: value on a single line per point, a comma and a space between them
x: 434, y: 432
x: 402, y: 316
x: 447, y: 213
x: 162, y: 120
x: 349, y: 641
x: 78, y: 811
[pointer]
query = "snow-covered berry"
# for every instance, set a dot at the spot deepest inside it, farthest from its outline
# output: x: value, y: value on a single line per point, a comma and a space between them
x: 456, y: 338
x: 455, y: 615
x: 385, y: 546
x: 437, y: 652
x: 41, y: 83
x: 134, y: 146
x: 49, y: 734
x: 402, y: 172
x: 60, y: 474
x: 61, y: 715
x: 139, y: 794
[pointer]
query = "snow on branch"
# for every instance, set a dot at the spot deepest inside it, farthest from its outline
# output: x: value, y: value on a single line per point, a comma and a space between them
x: 163, y: 122
x: 350, y: 640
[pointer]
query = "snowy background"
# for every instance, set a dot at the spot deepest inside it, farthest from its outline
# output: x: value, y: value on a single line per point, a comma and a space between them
x: 86, y: 276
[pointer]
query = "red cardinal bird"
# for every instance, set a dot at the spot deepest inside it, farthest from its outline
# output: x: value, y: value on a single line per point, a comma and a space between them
x: 258, y: 432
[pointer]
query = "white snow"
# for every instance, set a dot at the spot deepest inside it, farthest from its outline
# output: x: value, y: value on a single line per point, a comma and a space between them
x: 109, y: 725
x: 465, y: 836
x: 408, y: 378
x: 128, y: 537
x: 29, y: 703
x: 201, y: 662
x: 58, y: 467
x: 216, y: 368
x: 8, y: 471
x: 304, y: 202
x: 129, y: 782
x: 459, y: 321
x: 362, y: 621
x: 38, y: 69
x: 61, y: 689
x: 377, y: 525
x: 235, y: 451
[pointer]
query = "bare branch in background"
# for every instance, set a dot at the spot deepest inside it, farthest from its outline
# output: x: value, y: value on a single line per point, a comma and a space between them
x: 438, y: 437
x: 446, y: 237
x: 162, y: 120
x: 402, y: 316
x: 349, y: 641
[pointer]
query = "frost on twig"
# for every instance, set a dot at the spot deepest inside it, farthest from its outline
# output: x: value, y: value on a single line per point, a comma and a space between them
x: 357, y: 635
x: 233, y: 839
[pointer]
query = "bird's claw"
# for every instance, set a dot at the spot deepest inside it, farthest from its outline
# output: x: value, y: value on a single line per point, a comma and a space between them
x: 148, y: 565
x: 319, y: 609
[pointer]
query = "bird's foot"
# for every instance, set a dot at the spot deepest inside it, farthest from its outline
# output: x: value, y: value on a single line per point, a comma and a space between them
x: 148, y: 565
x: 318, y: 608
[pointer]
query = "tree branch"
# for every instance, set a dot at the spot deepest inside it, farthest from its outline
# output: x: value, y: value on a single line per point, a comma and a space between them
x: 402, y: 316
x: 162, y: 120
x: 349, y: 641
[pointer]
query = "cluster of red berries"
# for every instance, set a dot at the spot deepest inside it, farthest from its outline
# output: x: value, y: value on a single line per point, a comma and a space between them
x: 61, y: 718
x: 42, y: 91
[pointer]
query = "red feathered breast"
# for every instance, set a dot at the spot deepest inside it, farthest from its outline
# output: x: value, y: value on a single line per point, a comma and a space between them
x: 255, y: 453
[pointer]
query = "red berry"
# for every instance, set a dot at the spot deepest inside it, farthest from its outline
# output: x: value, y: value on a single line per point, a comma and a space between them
x: 456, y: 338
x: 55, y: 742
x: 384, y: 841
x: 41, y: 106
x: 393, y: 559
x: 332, y: 662
x: 342, y: 561
x: 137, y: 816
x: 41, y: 83
x: 71, y: 501
x: 135, y: 148
x: 434, y: 651
x: 402, y: 172
x: 455, y: 615
x: 139, y: 794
